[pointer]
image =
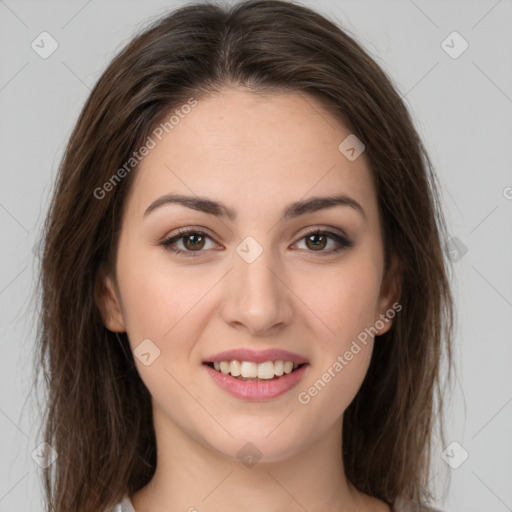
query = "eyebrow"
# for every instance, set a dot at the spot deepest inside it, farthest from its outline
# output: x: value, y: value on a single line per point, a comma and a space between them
x: 218, y: 209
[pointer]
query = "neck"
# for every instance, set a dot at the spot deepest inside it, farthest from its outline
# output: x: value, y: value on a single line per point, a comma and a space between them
x: 194, y: 477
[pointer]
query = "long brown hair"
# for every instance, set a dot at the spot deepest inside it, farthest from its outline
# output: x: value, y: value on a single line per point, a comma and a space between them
x: 98, y: 413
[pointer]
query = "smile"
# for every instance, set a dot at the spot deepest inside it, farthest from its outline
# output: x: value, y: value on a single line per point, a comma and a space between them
x: 249, y: 370
x: 277, y: 377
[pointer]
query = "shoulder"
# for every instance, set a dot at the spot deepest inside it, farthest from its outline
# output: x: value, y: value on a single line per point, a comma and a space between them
x: 410, y: 506
x: 124, y: 505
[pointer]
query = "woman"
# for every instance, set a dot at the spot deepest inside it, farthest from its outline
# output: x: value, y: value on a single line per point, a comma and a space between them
x: 245, y: 297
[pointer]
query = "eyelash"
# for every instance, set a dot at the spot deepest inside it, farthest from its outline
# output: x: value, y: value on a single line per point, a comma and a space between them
x: 343, y: 242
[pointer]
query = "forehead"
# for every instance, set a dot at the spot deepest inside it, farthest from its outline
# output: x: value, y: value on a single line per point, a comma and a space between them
x: 253, y: 151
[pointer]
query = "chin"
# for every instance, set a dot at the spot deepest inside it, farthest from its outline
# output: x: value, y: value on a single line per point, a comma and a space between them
x: 255, y: 445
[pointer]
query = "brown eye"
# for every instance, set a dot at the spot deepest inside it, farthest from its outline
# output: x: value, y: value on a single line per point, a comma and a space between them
x: 193, y: 242
x: 316, y: 241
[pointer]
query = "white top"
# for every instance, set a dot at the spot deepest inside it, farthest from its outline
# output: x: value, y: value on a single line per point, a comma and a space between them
x: 125, y: 505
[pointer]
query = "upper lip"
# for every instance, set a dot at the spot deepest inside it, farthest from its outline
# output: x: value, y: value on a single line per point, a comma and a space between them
x: 256, y: 356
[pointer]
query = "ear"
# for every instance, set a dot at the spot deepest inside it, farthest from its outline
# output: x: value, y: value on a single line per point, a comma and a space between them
x: 390, y: 292
x: 107, y: 299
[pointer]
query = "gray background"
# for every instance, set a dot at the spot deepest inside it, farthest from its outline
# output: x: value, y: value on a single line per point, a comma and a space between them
x: 462, y: 108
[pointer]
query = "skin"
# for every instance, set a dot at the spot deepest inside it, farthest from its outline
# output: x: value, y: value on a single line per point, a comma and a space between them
x: 256, y: 155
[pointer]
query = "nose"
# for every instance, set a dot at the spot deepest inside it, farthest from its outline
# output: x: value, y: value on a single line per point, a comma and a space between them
x: 256, y: 296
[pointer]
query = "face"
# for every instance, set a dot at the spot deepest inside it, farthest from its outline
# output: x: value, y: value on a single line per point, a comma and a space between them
x: 249, y: 277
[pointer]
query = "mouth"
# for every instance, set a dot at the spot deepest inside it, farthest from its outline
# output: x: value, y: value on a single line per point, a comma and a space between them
x: 256, y: 382
x: 256, y: 375
x: 249, y: 371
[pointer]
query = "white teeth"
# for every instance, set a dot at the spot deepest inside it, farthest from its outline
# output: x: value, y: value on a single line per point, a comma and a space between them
x: 248, y: 369
x: 266, y: 370
x: 235, y: 368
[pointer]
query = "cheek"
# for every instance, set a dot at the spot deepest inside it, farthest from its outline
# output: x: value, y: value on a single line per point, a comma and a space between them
x: 162, y: 312
x: 333, y: 384
x: 345, y: 301
x: 342, y: 299
x: 158, y: 297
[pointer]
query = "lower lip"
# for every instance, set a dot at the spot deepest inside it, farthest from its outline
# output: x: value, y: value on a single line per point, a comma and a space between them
x: 257, y: 390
